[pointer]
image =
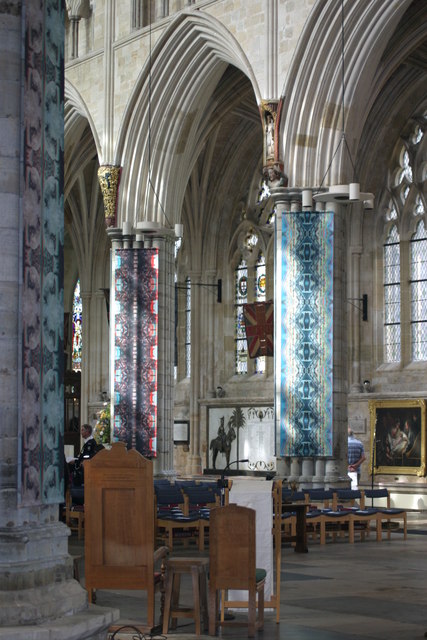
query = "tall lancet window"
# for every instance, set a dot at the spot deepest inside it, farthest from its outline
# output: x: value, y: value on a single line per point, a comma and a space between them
x: 188, y: 327
x: 76, y: 355
x: 259, y: 294
x: 240, y: 298
x: 419, y: 293
x: 392, y: 309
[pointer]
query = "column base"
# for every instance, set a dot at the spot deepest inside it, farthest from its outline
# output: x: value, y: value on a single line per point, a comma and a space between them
x: 91, y: 624
x: 194, y: 465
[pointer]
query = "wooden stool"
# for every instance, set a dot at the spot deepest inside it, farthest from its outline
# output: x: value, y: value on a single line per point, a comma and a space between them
x: 76, y: 572
x: 174, y: 568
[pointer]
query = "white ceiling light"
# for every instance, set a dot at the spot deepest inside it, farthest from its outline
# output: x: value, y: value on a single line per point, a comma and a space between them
x: 342, y: 193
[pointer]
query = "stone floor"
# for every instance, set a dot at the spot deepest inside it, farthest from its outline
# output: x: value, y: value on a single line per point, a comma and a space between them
x: 366, y: 591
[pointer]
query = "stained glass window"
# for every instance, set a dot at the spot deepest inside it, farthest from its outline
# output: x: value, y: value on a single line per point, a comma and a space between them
x: 407, y: 169
x: 76, y: 356
x: 417, y: 135
x: 391, y: 213
x: 260, y: 289
x: 419, y: 293
x: 392, y: 328
x: 188, y: 327
x: 241, y: 298
x: 264, y: 192
x: 419, y: 207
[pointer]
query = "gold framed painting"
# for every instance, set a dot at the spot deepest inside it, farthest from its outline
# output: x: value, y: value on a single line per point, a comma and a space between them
x: 398, y: 436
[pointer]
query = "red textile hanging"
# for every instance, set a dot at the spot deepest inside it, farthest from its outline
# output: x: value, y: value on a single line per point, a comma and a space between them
x: 259, y: 323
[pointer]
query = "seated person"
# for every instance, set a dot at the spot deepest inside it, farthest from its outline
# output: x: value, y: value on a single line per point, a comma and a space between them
x: 89, y: 449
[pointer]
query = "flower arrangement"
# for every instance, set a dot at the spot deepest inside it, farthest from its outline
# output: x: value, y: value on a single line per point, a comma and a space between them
x: 102, y: 431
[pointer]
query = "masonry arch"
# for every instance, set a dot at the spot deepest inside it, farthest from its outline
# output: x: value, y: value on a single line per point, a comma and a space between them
x: 311, y: 121
x: 199, y: 97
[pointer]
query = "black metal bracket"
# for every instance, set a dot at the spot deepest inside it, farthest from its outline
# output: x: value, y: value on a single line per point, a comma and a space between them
x: 217, y: 286
x: 364, y: 308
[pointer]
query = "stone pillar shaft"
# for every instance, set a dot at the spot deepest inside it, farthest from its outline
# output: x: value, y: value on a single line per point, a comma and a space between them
x: 320, y: 471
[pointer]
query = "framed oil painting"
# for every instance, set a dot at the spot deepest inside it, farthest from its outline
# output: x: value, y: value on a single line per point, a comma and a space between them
x: 398, y: 431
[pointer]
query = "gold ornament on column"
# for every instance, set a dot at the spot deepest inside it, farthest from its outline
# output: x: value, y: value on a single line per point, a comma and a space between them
x: 109, y: 178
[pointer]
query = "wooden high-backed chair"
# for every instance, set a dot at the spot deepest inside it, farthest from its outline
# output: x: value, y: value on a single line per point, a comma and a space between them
x: 119, y: 522
x: 232, y: 564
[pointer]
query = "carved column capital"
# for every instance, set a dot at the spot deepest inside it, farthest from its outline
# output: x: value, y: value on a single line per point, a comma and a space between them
x: 77, y: 9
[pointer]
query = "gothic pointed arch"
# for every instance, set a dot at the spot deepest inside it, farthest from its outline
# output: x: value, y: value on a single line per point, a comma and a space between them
x: 312, y: 117
x: 166, y: 125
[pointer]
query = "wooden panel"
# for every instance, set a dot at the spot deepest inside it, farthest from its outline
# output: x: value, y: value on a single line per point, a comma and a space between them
x: 119, y: 511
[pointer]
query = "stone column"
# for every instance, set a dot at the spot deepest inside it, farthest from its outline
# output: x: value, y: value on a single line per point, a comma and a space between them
x: 37, y: 588
x: 355, y: 315
x: 165, y: 384
x: 75, y: 10
x: 194, y: 460
x: 209, y: 341
x: 307, y: 470
x: 163, y: 240
x: 161, y: 9
x: 285, y: 467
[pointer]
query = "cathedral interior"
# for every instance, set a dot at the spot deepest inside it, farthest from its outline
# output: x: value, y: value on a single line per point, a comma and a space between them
x: 215, y: 251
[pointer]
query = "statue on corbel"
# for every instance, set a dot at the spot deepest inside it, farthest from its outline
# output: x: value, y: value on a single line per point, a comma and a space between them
x: 272, y: 166
x: 109, y: 179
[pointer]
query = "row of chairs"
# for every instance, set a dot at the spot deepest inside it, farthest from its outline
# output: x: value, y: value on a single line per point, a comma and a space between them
x: 337, y: 512
x: 183, y: 510
x: 178, y: 505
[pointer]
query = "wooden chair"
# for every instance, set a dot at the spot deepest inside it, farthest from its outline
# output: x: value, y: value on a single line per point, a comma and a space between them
x: 119, y: 521
x: 386, y: 513
x: 200, y: 500
x: 172, y: 522
x: 362, y: 519
x: 74, y: 515
x: 232, y: 565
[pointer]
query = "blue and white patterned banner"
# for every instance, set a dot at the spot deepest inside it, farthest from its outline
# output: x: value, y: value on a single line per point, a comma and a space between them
x: 305, y: 318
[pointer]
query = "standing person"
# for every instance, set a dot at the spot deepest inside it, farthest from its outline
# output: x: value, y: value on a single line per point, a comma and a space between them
x: 356, y: 455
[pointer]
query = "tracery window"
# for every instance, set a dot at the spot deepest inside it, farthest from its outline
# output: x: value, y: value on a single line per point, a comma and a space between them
x: 405, y: 257
x: 76, y: 354
x: 419, y: 293
x: 392, y: 334
x: 241, y: 298
x: 260, y: 296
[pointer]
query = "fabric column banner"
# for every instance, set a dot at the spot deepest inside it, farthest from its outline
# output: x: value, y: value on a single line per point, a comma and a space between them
x: 134, y: 314
x: 41, y: 454
x: 259, y: 318
x: 306, y: 334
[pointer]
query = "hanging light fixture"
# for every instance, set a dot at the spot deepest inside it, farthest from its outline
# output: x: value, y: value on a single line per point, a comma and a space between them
x: 343, y: 193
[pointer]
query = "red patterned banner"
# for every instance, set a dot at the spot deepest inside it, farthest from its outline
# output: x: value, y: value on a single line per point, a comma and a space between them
x: 135, y: 319
x: 259, y: 328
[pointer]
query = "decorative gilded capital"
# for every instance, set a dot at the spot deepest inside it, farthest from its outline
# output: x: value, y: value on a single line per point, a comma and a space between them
x: 109, y: 178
